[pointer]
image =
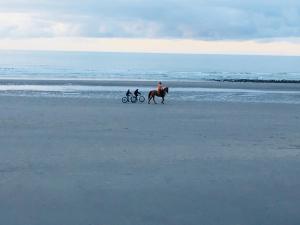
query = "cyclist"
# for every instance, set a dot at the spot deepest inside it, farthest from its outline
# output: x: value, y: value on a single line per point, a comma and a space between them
x: 128, y: 93
x: 136, y: 92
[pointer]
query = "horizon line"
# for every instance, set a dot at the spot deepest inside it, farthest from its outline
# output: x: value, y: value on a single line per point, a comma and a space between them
x: 153, y: 46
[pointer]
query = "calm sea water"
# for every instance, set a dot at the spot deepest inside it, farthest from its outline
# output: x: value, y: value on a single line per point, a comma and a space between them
x: 28, y: 65
x: 122, y: 66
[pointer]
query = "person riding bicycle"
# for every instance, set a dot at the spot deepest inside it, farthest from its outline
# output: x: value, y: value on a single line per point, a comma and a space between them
x: 136, y: 92
x: 160, y: 87
x: 128, y: 93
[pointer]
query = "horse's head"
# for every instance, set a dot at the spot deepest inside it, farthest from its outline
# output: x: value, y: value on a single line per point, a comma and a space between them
x: 166, y: 89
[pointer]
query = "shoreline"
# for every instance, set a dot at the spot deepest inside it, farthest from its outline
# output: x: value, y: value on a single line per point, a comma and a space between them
x: 178, y: 91
x: 225, y: 84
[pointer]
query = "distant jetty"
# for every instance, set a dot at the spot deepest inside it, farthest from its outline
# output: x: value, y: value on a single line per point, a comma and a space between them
x: 257, y: 81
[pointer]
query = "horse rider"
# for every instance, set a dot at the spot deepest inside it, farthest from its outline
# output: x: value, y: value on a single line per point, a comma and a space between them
x: 160, y: 88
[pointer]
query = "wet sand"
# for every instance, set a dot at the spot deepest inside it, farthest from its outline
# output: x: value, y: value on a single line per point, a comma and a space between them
x: 78, y: 161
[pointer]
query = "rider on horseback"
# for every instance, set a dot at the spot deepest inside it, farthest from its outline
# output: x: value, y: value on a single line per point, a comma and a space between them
x: 160, y: 92
x: 160, y: 87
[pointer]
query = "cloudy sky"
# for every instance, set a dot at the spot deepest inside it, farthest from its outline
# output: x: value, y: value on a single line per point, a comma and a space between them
x: 195, y: 26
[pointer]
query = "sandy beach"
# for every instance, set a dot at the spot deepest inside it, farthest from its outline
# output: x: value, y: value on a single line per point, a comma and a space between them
x: 78, y: 161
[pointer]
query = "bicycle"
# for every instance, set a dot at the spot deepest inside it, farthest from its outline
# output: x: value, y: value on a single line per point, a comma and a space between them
x: 139, y: 98
x: 133, y: 99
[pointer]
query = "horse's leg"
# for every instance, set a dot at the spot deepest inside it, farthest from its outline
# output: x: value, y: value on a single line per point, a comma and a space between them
x: 150, y: 96
x: 154, y: 99
x: 162, y: 101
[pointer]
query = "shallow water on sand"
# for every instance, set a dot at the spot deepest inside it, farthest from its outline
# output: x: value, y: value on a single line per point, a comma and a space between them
x: 176, y: 93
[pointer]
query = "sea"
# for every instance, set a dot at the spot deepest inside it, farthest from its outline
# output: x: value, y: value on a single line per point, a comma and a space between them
x: 73, y: 69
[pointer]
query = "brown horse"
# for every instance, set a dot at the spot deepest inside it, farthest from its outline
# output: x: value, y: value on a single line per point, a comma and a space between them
x: 154, y: 93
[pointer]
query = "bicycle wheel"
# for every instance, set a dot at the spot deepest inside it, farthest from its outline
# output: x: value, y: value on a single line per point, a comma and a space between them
x: 133, y: 99
x: 124, y: 100
x: 141, y: 98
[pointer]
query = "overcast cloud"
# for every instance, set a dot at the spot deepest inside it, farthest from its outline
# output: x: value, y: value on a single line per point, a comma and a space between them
x: 202, y: 19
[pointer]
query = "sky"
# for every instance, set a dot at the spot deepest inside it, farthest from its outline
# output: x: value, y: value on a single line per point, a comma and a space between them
x: 173, y: 26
